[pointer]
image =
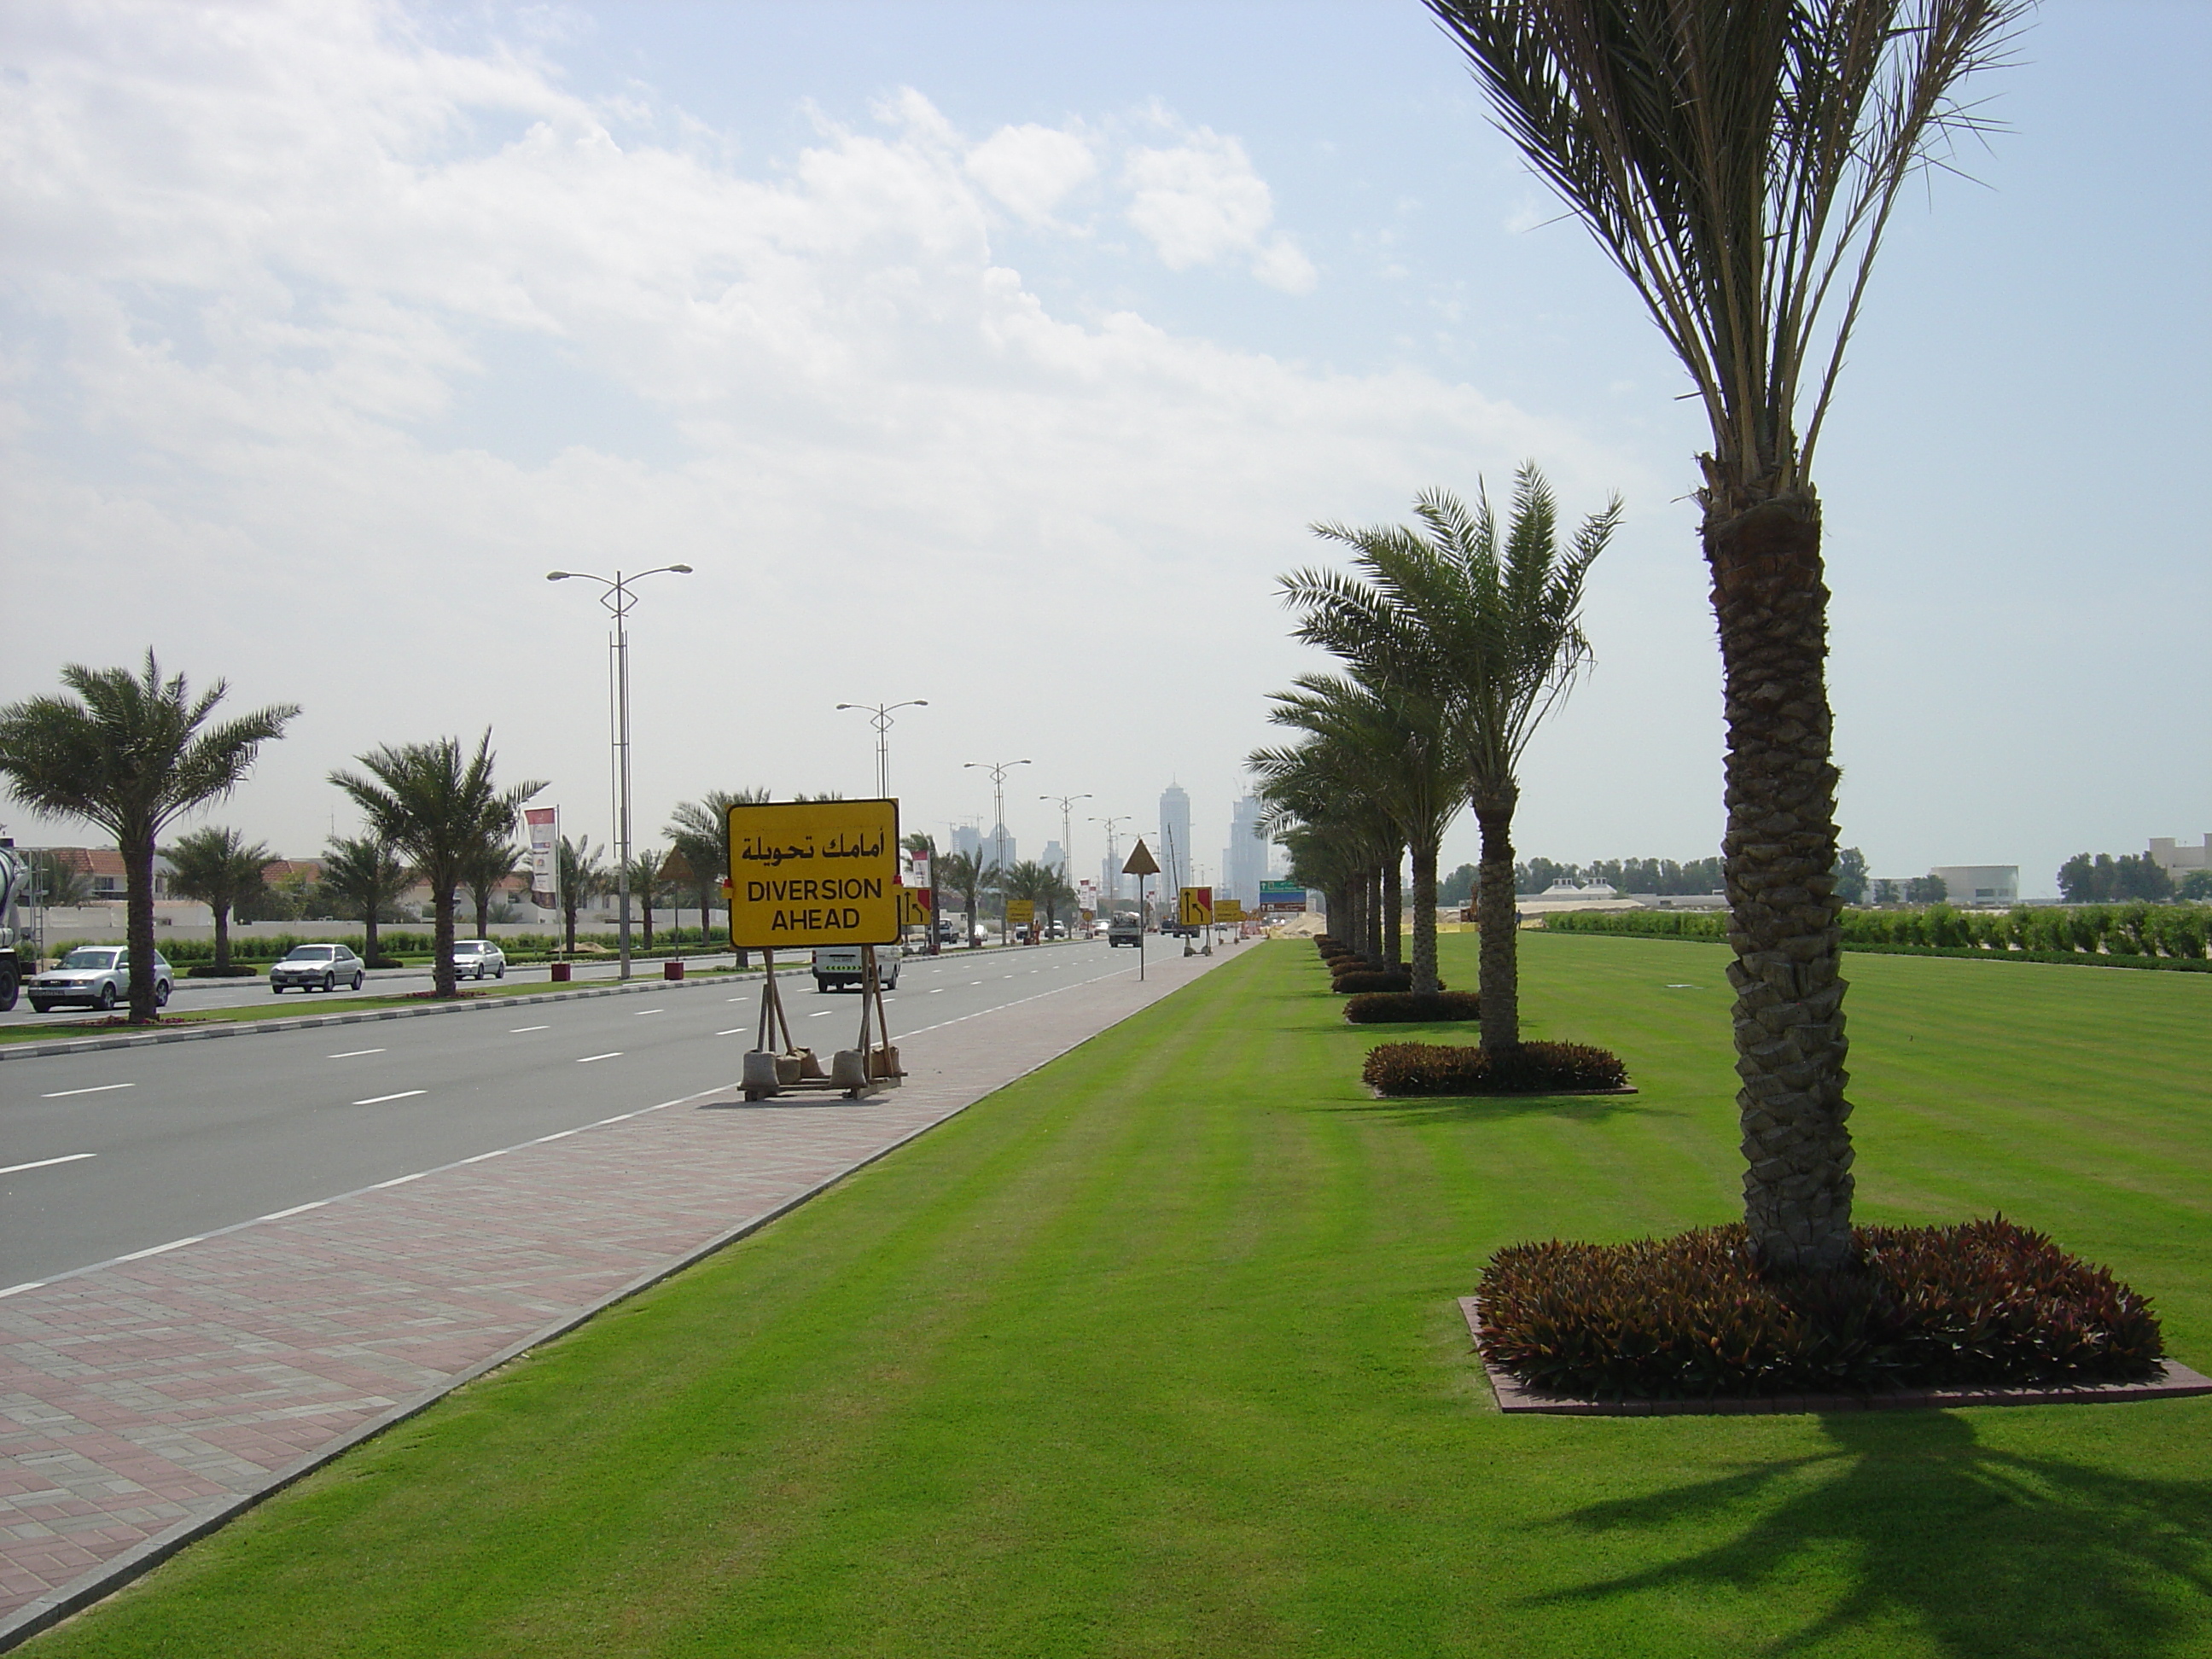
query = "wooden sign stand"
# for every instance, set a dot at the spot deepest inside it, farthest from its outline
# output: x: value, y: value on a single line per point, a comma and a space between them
x: 772, y: 1070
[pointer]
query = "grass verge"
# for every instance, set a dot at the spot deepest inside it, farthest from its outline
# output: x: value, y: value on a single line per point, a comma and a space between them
x: 1154, y: 1353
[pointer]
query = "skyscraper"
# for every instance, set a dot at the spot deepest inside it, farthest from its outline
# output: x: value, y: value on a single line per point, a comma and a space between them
x: 999, y: 848
x: 1244, y: 865
x: 1174, y: 852
x: 1054, y: 858
x: 967, y: 838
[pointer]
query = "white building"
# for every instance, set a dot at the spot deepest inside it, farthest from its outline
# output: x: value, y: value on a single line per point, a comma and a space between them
x: 1979, y: 884
x: 2178, y: 861
x: 1244, y: 860
x: 1173, y: 851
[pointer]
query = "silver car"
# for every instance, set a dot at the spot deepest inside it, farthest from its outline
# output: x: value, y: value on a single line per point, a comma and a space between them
x: 316, y: 968
x: 98, y: 976
x: 474, y: 958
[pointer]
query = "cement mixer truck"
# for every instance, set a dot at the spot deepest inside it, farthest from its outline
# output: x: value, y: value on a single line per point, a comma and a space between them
x: 15, y: 963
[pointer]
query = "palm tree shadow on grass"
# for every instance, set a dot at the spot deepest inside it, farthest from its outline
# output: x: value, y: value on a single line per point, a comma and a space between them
x: 1986, y: 1551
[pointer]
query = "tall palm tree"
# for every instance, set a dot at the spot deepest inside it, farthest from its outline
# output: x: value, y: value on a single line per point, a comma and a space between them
x: 1026, y: 878
x: 127, y: 754
x: 1317, y: 799
x: 439, y: 804
x: 57, y: 881
x: 968, y: 874
x: 646, y: 884
x: 485, y: 870
x: 1476, y: 634
x: 581, y: 871
x: 1738, y: 161
x: 700, y: 830
x: 365, y: 873
x: 217, y: 867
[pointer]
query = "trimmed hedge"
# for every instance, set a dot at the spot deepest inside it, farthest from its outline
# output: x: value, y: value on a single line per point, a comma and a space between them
x: 1693, y: 1316
x: 1534, y: 1068
x: 2111, y: 935
x: 1371, y: 979
x: 1406, y: 1007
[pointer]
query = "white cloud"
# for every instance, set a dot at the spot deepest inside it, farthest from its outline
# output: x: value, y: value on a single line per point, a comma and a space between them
x: 1200, y: 201
x: 1031, y: 169
x: 283, y: 288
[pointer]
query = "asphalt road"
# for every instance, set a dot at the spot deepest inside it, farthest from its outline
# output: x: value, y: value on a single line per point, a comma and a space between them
x: 122, y: 1150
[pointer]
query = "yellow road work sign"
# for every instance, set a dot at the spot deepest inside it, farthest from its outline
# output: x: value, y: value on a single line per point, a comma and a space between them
x: 1197, y: 909
x: 914, y: 906
x: 814, y: 872
x: 1228, y: 909
x: 1020, y: 912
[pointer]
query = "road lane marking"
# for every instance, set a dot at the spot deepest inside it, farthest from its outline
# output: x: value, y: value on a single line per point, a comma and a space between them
x: 735, y: 1031
x: 161, y: 1249
x: 639, y: 1013
x: 821, y: 1013
x: 615, y: 1053
x: 379, y: 1100
x: 97, y: 1089
x: 938, y: 992
x: 399, y: 1181
x: 517, y: 1031
x: 297, y: 1209
x: 44, y: 1162
x: 354, y: 1053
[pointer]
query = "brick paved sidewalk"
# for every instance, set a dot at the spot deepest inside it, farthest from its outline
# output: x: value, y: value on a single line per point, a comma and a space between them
x: 144, y: 1401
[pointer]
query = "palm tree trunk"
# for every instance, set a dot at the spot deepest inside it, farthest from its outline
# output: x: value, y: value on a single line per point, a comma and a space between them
x: 1780, y: 848
x: 567, y: 925
x: 137, y: 851
x: 222, y: 939
x: 1425, y: 917
x: 1499, y: 980
x: 1375, y: 897
x: 368, y: 943
x: 1394, y: 910
x: 483, y: 913
x: 444, y: 982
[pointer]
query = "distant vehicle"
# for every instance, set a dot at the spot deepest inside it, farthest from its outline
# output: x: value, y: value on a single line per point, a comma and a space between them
x: 315, y: 968
x: 1125, y: 930
x: 948, y: 932
x: 97, y: 977
x: 979, y: 934
x: 475, y: 957
x: 1022, y: 933
x: 836, y: 966
x: 1058, y: 930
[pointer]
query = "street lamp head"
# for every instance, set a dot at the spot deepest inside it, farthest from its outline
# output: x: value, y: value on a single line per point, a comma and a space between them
x: 680, y: 569
x: 558, y: 575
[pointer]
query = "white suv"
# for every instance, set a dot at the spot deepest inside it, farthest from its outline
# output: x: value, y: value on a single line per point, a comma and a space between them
x: 836, y: 966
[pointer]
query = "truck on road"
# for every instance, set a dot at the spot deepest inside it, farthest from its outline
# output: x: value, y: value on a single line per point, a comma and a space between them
x: 16, y: 963
x: 836, y: 966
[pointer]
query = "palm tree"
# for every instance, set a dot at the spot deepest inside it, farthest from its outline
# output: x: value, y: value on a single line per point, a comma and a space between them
x: 581, y: 871
x: 1404, y: 748
x: 439, y: 804
x: 1055, y: 893
x: 486, y: 869
x: 1026, y: 879
x: 366, y: 874
x: 217, y: 867
x: 700, y: 830
x: 57, y: 882
x: 1318, y: 800
x: 1477, y: 637
x: 968, y: 875
x: 127, y: 754
x: 1738, y: 161
x: 647, y: 884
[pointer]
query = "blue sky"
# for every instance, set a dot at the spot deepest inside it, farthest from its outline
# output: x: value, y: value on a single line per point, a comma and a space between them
x: 1000, y: 355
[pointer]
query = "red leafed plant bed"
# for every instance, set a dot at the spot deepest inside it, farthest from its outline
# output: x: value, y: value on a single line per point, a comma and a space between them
x: 1534, y: 1068
x: 1692, y: 1316
x: 1407, y: 1007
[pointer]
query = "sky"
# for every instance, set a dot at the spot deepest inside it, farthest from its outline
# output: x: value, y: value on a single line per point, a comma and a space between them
x: 1002, y: 357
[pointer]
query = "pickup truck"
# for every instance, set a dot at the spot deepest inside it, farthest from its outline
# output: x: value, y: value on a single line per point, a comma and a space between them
x: 836, y: 966
x: 1126, y: 930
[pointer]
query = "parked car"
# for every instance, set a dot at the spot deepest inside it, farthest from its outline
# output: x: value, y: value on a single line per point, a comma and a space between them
x: 96, y: 976
x: 475, y: 957
x: 836, y: 966
x: 315, y: 968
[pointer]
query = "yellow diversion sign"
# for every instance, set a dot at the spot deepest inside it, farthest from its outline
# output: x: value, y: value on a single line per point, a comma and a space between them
x: 814, y: 872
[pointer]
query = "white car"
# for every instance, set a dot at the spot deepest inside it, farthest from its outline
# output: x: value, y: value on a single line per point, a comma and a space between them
x: 315, y: 968
x: 836, y: 966
x: 474, y: 958
x: 97, y: 976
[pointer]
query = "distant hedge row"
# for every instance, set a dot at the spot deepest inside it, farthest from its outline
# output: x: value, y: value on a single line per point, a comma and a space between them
x: 407, y: 942
x: 2168, y: 935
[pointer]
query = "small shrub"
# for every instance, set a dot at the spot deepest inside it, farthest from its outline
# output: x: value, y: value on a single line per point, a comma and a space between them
x: 1436, y: 1068
x: 208, y: 970
x: 1694, y: 1316
x: 1371, y: 979
x: 1406, y: 1007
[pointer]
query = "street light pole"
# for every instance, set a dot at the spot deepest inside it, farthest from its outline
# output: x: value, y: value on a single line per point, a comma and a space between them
x: 614, y: 594
x: 1113, y: 855
x: 997, y: 769
x: 1066, y: 831
x: 879, y: 716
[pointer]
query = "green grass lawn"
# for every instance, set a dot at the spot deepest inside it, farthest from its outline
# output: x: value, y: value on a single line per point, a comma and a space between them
x: 1154, y: 1353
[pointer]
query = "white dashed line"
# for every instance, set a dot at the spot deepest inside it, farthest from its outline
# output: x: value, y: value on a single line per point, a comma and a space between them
x: 517, y: 1031
x: 47, y: 1162
x: 613, y: 1054
x: 297, y: 1209
x: 735, y: 1031
x: 639, y: 1013
x: 379, y: 1100
x: 354, y: 1053
x: 97, y: 1089
x: 173, y: 1245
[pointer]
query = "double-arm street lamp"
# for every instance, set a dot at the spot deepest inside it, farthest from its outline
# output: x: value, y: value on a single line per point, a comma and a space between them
x: 879, y: 716
x: 1113, y: 855
x: 1066, y: 834
x: 614, y: 594
x: 997, y: 769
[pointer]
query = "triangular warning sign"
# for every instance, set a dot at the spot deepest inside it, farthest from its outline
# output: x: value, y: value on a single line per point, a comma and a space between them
x: 1141, y: 861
